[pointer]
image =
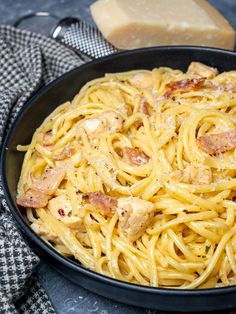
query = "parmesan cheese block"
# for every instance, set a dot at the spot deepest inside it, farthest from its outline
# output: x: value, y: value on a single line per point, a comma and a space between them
x: 145, y: 23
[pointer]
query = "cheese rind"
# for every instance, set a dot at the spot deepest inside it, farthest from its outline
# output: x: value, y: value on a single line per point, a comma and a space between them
x: 141, y: 23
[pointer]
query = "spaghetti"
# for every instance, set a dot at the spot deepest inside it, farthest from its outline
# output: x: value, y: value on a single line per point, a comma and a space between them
x: 135, y: 177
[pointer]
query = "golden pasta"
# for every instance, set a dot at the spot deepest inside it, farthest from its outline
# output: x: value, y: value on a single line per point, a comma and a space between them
x: 136, y: 177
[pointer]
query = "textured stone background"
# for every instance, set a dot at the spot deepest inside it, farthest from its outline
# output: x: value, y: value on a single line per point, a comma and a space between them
x: 67, y: 297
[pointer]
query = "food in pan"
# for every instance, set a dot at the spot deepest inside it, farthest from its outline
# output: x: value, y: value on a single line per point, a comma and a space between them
x: 135, y: 177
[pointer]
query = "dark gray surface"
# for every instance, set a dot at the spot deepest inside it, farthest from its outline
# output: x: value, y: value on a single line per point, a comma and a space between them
x: 68, y: 297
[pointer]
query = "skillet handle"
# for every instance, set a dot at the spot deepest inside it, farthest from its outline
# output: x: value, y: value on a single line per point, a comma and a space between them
x: 83, y: 38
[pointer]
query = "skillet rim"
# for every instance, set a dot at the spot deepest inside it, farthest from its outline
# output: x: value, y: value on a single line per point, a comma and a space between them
x: 25, y: 228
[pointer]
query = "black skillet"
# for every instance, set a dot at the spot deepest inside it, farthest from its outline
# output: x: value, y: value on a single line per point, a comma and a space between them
x: 32, y: 115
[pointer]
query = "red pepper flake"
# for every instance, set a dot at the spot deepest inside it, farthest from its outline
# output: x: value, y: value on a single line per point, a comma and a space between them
x: 61, y: 212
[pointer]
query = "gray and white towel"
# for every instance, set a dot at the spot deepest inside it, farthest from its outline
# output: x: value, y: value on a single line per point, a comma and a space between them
x: 27, y: 61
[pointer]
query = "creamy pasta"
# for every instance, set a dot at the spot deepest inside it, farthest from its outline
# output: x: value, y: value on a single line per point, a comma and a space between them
x: 135, y: 177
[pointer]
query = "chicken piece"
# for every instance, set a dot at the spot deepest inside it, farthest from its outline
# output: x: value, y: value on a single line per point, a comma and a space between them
x: 43, y: 231
x: 194, y: 175
x: 47, y: 139
x: 135, y: 215
x: 67, y: 152
x: 33, y: 199
x: 181, y: 176
x: 141, y: 80
x: 60, y: 208
x: 198, y: 69
x: 99, y: 123
x: 203, y: 176
x: 217, y: 143
x: 134, y: 156
x: 105, y: 203
x: 184, y: 86
x: 41, y: 189
x: 49, y: 181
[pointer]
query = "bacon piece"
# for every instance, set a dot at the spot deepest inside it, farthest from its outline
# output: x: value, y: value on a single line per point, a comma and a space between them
x: 144, y: 108
x: 135, y: 215
x: 217, y: 143
x: 106, y: 204
x: 33, y: 198
x: 187, y: 85
x: 184, y: 86
x: 199, y: 69
x: 49, y: 181
x: 135, y: 156
x: 67, y: 152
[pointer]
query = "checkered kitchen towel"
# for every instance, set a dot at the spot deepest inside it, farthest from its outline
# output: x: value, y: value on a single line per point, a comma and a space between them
x: 27, y: 61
